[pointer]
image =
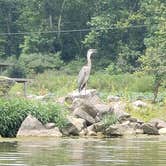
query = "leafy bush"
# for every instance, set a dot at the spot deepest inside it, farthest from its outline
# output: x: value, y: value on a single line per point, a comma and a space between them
x: 109, y: 119
x: 14, y: 111
x: 73, y: 67
x: 17, y: 71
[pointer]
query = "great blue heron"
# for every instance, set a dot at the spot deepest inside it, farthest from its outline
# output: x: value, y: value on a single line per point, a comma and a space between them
x: 85, y: 71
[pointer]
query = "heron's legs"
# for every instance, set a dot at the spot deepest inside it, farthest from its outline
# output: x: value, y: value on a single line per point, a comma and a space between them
x: 85, y: 88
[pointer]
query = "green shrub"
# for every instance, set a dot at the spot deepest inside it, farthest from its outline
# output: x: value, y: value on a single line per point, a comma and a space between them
x: 14, y: 111
x: 109, y: 119
x: 17, y: 71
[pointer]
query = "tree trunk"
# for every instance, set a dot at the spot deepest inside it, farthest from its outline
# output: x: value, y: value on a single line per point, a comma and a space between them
x: 156, y: 90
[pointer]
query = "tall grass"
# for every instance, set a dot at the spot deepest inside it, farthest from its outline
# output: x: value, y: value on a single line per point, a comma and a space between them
x: 130, y: 86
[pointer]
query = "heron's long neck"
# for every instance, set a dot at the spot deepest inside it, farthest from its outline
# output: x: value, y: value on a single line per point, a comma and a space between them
x: 89, y: 60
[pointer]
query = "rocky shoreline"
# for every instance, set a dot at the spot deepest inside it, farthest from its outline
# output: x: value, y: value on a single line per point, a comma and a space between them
x: 91, y: 117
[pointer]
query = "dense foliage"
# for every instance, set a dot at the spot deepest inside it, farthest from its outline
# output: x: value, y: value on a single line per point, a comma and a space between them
x: 14, y: 111
x: 55, y: 34
x: 117, y: 28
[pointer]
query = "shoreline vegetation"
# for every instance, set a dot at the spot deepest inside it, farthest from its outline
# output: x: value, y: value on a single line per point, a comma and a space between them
x: 45, y: 100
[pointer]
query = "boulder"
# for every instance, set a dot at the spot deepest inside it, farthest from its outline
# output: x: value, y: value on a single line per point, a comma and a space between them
x: 79, y: 123
x: 119, y: 109
x: 70, y: 129
x: 31, y: 123
x: 74, y: 126
x: 86, y: 106
x: 33, y: 127
x: 80, y: 113
x: 102, y: 109
x: 149, y: 129
x: 126, y: 128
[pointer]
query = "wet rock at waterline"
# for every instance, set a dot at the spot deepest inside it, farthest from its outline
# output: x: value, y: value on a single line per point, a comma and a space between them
x: 33, y: 127
x: 150, y: 129
x: 162, y: 131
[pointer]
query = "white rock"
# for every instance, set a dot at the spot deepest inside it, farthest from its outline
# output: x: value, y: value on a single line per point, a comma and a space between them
x: 139, y: 104
x: 113, y: 98
x: 162, y: 131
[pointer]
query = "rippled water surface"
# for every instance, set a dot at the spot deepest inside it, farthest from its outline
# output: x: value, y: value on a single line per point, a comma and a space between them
x: 145, y: 151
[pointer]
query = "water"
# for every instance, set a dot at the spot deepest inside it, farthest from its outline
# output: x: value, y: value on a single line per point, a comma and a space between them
x: 143, y: 151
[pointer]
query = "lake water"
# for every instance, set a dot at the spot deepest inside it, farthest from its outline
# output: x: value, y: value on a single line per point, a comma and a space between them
x: 142, y: 151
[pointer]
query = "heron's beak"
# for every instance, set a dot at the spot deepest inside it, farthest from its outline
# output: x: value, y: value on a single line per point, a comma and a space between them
x: 95, y: 51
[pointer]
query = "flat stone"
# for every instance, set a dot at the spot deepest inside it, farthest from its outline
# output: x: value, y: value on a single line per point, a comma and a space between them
x: 41, y: 133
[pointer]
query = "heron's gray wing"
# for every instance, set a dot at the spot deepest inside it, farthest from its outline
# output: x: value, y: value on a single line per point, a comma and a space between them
x: 81, y: 76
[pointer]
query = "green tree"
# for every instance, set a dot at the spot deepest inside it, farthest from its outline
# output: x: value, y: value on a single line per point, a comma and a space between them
x: 111, y: 33
x: 154, y: 60
x: 9, y: 15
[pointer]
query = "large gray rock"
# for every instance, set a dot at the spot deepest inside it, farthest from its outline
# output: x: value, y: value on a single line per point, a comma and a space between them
x: 119, y: 109
x: 70, y: 129
x: 33, y: 127
x: 74, y: 126
x: 86, y: 106
x: 80, y: 113
x: 149, y: 129
x: 120, y: 130
x: 79, y: 123
x: 103, y: 109
x: 31, y: 123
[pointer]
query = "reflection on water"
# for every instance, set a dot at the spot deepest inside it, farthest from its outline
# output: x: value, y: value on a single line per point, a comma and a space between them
x: 143, y: 151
